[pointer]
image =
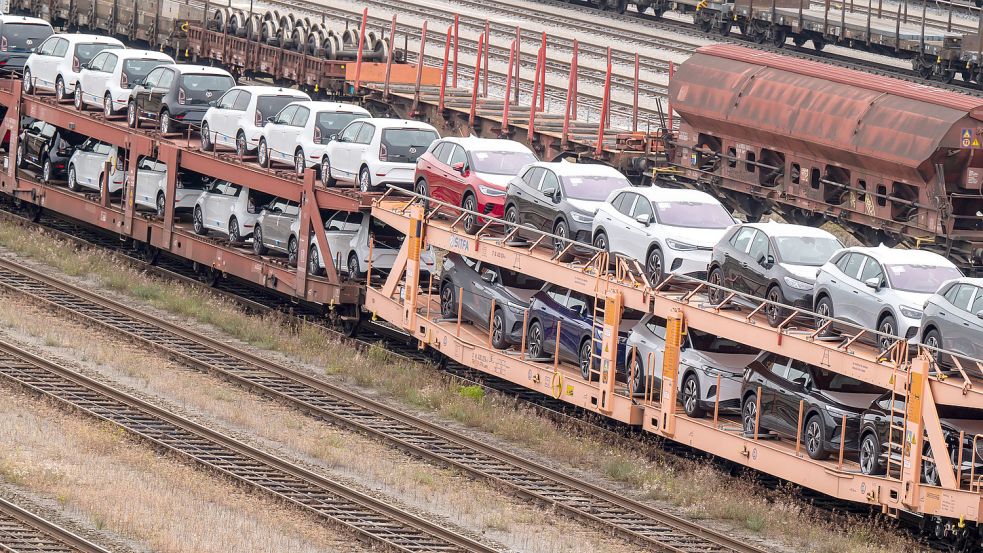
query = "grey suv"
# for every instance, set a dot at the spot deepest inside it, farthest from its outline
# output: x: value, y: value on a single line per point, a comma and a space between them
x: 953, y: 318
x: 176, y: 95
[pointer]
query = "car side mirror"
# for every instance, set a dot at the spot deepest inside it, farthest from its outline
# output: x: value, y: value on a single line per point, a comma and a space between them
x: 332, y: 137
x: 767, y: 261
x: 554, y: 195
x: 213, y: 103
x: 801, y: 381
x: 873, y: 283
x: 460, y: 167
x: 488, y: 277
x: 271, y: 119
x: 644, y: 219
x: 979, y: 314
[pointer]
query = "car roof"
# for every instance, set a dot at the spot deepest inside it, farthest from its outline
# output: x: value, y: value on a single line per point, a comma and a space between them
x: 969, y: 280
x: 10, y: 18
x: 493, y: 144
x: 151, y: 54
x: 568, y: 169
x: 774, y: 228
x: 321, y: 105
x: 661, y: 194
x: 899, y: 256
x: 388, y: 123
x: 270, y: 90
x: 185, y: 68
x: 97, y: 39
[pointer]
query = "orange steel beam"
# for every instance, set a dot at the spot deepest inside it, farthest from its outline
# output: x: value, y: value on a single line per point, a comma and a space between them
x: 609, y: 348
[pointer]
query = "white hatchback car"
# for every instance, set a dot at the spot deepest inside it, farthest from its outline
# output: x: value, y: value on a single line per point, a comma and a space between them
x: 105, y: 82
x: 375, y: 152
x: 300, y: 133
x: 57, y: 62
x: 702, y: 358
x: 236, y: 119
x: 86, y: 167
x: 151, y: 187
x: 669, y: 230
x: 227, y: 208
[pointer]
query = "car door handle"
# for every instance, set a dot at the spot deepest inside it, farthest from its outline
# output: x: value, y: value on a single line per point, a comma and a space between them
x: 941, y: 313
x: 856, y: 292
x: 831, y: 281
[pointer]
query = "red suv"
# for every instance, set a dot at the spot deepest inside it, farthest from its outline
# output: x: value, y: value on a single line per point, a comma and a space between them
x: 472, y: 173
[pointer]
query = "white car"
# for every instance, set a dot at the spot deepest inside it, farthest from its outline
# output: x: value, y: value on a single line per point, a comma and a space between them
x: 702, y: 358
x: 348, y: 236
x: 881, y: 288
x: 57, y: 62
x: 19, y: 35
x: 86, y: 167
x: 236, y: 119
x: 300, y: 133
x: 375, y: 152
x: 151, y: 187
x: 226, y: 208
x: 668, y: 230
x: 105, y: 82
x: 277, y: 229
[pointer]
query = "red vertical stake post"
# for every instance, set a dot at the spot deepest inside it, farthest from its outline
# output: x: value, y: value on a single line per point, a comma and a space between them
x: 535, y: 95
x: 419, y: 67
x: 571, y: 97
x: 634, y: 104
x: 542, y: 76
x: 484, y: 86
x: 474, y: 86
x: 508, y: 92
x: 518, y: 62
x: 389, y: 57
x: 604, y: 108
x: 443, y: 73
x: 672, y: 70
x: 361, y: 44
x: 457, y: 21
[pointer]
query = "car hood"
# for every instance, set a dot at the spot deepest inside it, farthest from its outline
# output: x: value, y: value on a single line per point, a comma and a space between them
x: 732, y: 362
x: 970, y: 426
x: 911, y: 299
x: 705, y: 238
x: 851, y: 400
x: 498, y: 181
x: 522, y: 294
x: 589, y: 206
x: 805, y: 273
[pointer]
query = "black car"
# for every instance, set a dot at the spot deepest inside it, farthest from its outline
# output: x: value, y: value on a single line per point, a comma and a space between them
x: 47, y: 147
x: 19, y: 36
x: 482, y: 283
x: 176, y: 96
x: 874, y: 439
x: 774, y: 261
x: 827, y: 396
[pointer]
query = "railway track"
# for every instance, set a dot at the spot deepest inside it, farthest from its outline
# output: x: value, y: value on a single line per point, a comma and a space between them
x: 369, y: 518
x: 22, y: 531
x: 629, y: 519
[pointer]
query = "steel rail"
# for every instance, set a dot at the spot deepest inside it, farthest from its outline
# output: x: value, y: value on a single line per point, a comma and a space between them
x: 631, y: 519
x: 22, y: 531
x: 368, y: 517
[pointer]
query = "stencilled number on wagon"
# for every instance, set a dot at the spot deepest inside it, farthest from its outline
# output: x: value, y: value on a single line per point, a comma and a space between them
x: 458, y: 243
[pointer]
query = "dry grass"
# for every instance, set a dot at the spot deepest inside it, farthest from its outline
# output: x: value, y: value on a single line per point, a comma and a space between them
x: 695, y: 489
x: 94, y: 470
x: 369, y: 464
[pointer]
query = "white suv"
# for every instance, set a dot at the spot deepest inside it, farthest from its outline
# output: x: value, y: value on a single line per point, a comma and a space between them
x: 105, y: 82
x: 300, y: 133
x: 236, y: 119
x: 669, y: 230
x: 56, y: 64
x: 881, y: 288
x: 227, y: 208
x: 348, y: 235
x: 376, y: 152
x: 86, y: 167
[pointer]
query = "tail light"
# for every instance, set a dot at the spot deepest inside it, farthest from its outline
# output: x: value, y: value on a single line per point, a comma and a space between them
x: 76, y: 64
x: 259, y: 119
x: 179, y: 183
x: 124, y: 81
x: 119, y: 163
x: 181, y: 96
x: 3, y: 44
x: 317, y: 135
x: 62, y: 146
x: 250, y: 205
x: 383, y: 153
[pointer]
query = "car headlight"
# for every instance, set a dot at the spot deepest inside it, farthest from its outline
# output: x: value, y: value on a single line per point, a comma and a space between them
x: 837, y: 414
x: 516, y: 308
x: 677, y: 245
x: 910, y: 312
x: 490, y: 190
x: 797, y: 284
x: 583, y: 218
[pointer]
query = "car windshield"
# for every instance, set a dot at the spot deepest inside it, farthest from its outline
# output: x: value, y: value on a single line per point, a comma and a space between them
x: 199, y: 89
x: 704, y: 341
x: 271, y: 105
x: 331, y: 122
x: 692, y: 214
x: 806, y: 250
x: 22, y: 37
x: 592, y: 188
x: 836, y: 382
x: 136, y: 70
x: 501, y: 163
x: 86, y: 51
x: 924, y: 279
x: 513, y: 279
x: 385, y: 235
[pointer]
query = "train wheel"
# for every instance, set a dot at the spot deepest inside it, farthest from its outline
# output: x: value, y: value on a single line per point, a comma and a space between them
x: 725, y: 26
x: 819, y: 44
x: 798, y: 40
x: 621, y: 6
x: 706, y: 24
x: 948, y: 76
x: 778, y: 37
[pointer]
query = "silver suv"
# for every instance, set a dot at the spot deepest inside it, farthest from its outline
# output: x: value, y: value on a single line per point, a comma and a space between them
x: 881, y: 288
x: 954, y: 318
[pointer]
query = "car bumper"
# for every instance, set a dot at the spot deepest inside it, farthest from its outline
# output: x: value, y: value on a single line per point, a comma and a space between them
x: 801, y: 299
x: 728, y: 394
x: 13, y: 62
x: 399, y: 174
x: 490, y: 205
x: 689, y: 262
x: 186, y: 198
x: 187, y: 115
x: 908, y: 328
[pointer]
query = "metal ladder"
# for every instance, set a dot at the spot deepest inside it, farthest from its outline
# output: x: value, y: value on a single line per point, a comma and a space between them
x: 897, y: 435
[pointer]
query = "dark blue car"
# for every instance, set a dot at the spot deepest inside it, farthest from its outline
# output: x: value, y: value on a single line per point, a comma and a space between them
x: 555, y: 304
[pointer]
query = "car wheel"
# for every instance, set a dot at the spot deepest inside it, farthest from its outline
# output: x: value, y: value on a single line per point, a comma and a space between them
x: 470, y: 220
x: 300, y: 163
x: 512, y: 215
x: 47, y: 169
x: 354, y: 271
x: 775, y: 313
x: 691, y: 397
x: 326, y: 173
x: 206, y: 138
x: 715, y: 294
x: 655, y: 266
x: 107, y: 106
x: 28, y: 81
x: 59, y: 88
x: 161, y: 204
x: 77, y: 97
x: 291, y: 251
x: 562, y: 232
x: 258, y: 247
x: 448, y: 302
x: 364, y: 180
x: 422, y: 188
x: 887, y: 326
x: 930, y: 472
x: 498, y: 330
x: 73, y: 183
x: 870, y: 454
x: 241, y: 147
x: 20, y: 153
x: 636, y: 376
x: 824, y: 308
x: 537, y: 342
x: 586, y: 360
x: 102, y: 178
x: 313, y: 261
x: 263, y: 154
x: 165, y: 122
x: 933, y: 339
x: 134, y: 121
x: 234, y: 236
x: 199, y: 222
x: 749, y: 415
x: 815, y: 437
x: 601, y: 241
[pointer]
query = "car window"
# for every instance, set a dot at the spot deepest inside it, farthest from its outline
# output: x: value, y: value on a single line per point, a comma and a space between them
x: 458, y: 156
x: 300, y: 117
x: 231, y: 189
x: 102, y: 148
x: 47, y: 46
x: 657, y: 326
x: 331, y: 122
x: 242, y: 100
x: 228, y: 99
x: 135, y: 70
x: 21, y: 37
x: 153, y: 78
x: 35, y: 127
x: 742, y: 239
x: 533, y: 176
x: 145, y: 164
x: 778, y: 365
x: 291, y: 208
x: 166, y: 78
x: 286, y: 115
x: 365, y: 134
x: 853, y: 265
x: 441, y: 151
x: 872, y: 269
x: 61, y: 48
x: 558, y: 294
x: 550, y: 183
x: 86, y: 51
x: 950, y: 293
x: 842, y: 261
x: 836, y: 382
x: 48, y: 130
x: 963, y: 296
x: 642, y: 207
x: 628, y: 203
x: 709, y: 342
x: 98, y: 61
x: 977, y: 301
x: 110, y: 63
x: 580, y: 304
x: 514, y: 279
x: 798, y: 373
x: 759, y: 247
x: 351, y: 131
